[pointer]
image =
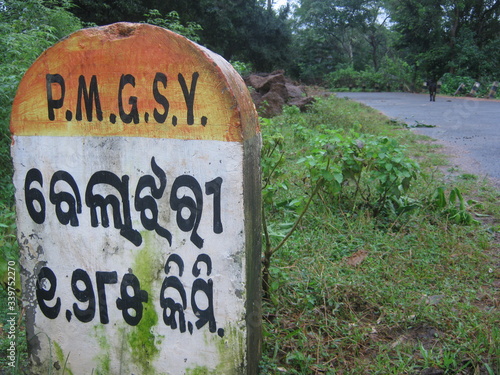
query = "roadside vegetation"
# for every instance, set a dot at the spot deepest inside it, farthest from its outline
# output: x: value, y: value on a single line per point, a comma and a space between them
x: 369, y: 80
x: 394, y: 266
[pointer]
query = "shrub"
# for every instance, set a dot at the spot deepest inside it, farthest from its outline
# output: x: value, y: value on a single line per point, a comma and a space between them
x: 451, y: 82
x: 366, y: 171
x: 172, y: 21
x: 392, y: 75
x: 27, y: 28
x: 347, y: 77
x: 242, y: 67
x: 350, y: 172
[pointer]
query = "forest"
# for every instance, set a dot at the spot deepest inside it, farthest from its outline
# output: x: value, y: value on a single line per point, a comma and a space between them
x: 313, y: 41
x: 373, y: 44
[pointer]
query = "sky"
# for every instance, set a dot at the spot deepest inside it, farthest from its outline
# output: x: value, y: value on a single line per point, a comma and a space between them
x: 280, y: 3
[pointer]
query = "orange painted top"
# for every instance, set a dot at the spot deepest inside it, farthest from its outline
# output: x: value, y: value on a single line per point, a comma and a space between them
x: 133, y: 80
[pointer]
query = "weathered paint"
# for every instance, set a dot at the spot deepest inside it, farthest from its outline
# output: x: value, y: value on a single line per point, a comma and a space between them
x: 178, y: 187
x: 138, y: 52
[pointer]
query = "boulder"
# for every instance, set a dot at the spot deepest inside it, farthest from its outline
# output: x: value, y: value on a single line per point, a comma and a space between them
x: 271, y: 104
x: 265, y: 83
x: 294, y: 92
x: 304, y: 103
x: 271, y: 91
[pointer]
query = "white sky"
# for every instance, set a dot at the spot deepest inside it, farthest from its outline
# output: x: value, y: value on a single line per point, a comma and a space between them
x: 280, y: 3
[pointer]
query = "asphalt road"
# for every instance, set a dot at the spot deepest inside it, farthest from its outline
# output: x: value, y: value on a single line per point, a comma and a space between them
x: 468, y: 128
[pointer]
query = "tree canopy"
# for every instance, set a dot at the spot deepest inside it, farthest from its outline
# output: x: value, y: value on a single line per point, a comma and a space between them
x: 433, y: 37
x: 459, y: 36
x: 240, y: 29
x: 311, y: 39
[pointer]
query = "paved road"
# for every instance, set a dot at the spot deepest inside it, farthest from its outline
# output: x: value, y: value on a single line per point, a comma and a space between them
x: 469, y: 128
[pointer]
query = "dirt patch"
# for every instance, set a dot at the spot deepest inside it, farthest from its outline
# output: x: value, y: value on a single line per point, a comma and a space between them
x: 423, y: 334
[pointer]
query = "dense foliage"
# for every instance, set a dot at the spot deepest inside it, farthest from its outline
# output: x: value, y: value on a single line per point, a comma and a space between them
x: 394, y: 42
x: 433, y: 37
x: 238, y: 30
x: 26, y: 28
x: 459, y: 37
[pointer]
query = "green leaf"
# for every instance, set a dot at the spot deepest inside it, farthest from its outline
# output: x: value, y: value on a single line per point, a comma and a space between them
x: 439, y: 198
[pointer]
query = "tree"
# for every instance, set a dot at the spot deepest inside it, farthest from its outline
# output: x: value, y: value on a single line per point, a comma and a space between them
x: 101, y: 13
x: 241, y: 29
x: 473, y: 27
x: 172, y: 22
x: 376, y: 34
x: 246, y: 30
x: 341, y: 33
x: 27, y: 28
x: 448, y: 35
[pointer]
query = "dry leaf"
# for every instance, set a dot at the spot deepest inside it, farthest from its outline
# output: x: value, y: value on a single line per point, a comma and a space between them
x: 356, y: 258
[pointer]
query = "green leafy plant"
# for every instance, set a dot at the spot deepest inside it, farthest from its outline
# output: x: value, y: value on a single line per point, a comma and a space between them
x: 8, y: 244
x: 242, y: 67
x: 347, y: 170
x: 454, y: 207
x: 393, y: 74
x: 172, y: 21
x: 26, y: 29
x: 272, y: 162
x: 451, y: 82
x: 366, y: 171
x: 347, y: 77
x: 352, y: 291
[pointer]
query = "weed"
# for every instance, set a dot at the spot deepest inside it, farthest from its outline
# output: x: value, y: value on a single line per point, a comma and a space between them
x: 468, y: 176
x: 356, y: 291
x: 455, y: 208
x: 347, y: 170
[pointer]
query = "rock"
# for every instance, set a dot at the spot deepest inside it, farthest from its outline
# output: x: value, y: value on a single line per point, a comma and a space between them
x: 271, y: 104
x: 265, y: 83
x: 303, y: 103
x: 294, y: 92
x: 271, y: 91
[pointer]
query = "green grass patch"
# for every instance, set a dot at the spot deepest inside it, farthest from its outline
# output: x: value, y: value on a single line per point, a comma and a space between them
x: 394, y: 292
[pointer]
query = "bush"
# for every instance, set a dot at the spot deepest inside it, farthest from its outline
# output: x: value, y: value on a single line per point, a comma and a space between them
x: 365, y: 171
x: 27, y: 28
x: 394, y: 74
x: 241, y: 67
x: 336, y: 167
x: 347, y: 77
x: 172, y: 21
x: 373, y: 79
x: 451, y: 82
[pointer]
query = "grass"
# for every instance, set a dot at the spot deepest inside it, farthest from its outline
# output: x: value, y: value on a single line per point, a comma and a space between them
x: 354, y: 294
x: 395, y: 294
